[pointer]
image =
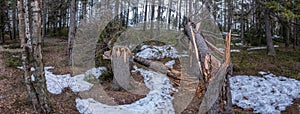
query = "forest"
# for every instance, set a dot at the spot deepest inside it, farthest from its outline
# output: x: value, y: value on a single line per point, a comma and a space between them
x: 150, y: 56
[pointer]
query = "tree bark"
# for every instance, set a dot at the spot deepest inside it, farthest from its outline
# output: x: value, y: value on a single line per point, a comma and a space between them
x: 14, y: 19
x: 44, y: 19
x: 242, y: 23
x: 121, y: 68
x: 39, y: 74
x: 287, y: 34
x: 72, y: 29
x: 152, y: 19
x: 169, y: 13
x: 145, y: 15
x: 213, y: 92
x: 117, y: 9
x: 25, y: 54
x: 159, y: 16
x: 84, y: 11
x: 270, y: 46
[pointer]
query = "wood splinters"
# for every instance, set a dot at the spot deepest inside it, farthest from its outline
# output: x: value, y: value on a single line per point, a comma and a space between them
x: 124, y: 51
x: 118, y: 52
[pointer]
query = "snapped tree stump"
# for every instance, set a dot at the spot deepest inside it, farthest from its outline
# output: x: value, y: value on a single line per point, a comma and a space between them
x: 121, y: 68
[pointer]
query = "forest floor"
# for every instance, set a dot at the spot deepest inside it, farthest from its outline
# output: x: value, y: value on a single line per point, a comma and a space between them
x: 14, y: 99
x: 285, y: 63
x: 13, y: 94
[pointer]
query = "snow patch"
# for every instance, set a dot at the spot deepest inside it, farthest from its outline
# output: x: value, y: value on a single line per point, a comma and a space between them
x: 57, y: 83
x: 259, y: 48
x: 235, y: 50
x: 157, y: 101
x: 232, y: 50
x: 157, y: 52
x: 239, y: 44
x: 170, y: 63
x: 267, y: 94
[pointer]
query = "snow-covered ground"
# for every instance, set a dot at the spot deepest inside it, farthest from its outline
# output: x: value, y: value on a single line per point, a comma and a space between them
x: 269, y: 94
x: 158, y: 52
x: 157, y: 101
x: 56, y: 83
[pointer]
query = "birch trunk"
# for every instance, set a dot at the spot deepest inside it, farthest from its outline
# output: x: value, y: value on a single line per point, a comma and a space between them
x: 25, y: 54
x: 39, y: 74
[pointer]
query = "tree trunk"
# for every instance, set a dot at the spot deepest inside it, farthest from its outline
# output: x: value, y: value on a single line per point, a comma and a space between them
x: 294, y: 32
x: 152, y: 19
x: 14, y: 19
x: 145, y: 15
x: 212, y: 94
x: 127, y: 17
x: 25, y: 54
x: 287, y: 34
x: 242, y: 23
x: 179, y: 17
x: 169, y: 13
x: 84, y: 12
x: 72, y: 29
x: 121, y: 68
x: 44, y: 19
x: 2, y: 25
x: 229, y: 15
x: 159, y: 16
x: 270, y: 46
x: 117, y: 9
x: 9, y: 25
x: 39, y: 74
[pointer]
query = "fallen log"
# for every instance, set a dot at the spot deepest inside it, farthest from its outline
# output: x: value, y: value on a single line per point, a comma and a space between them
x: 154, y: 65
x: 157, y: 66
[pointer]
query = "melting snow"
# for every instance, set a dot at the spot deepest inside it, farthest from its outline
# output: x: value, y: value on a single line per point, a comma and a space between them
x: 56, y: 83
x: 232, y: 50
x: 267, y: 94
x: 157, y: 52
x: 258, y: 48
x: 157, y: 101
x: 170, y: 63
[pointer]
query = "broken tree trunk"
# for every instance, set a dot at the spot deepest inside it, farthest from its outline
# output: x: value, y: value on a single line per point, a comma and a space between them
x: 121, y: 68
x: 213, y: 92
x: 201, y: 50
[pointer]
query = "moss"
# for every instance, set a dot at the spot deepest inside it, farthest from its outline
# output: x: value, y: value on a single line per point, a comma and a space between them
x: 12, y: 59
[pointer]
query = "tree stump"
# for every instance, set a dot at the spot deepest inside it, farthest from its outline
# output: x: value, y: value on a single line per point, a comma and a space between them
x: 121, y: 68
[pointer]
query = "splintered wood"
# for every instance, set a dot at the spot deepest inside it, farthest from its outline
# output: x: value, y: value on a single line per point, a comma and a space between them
x: 227, y: 49
x: 121, y: 68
